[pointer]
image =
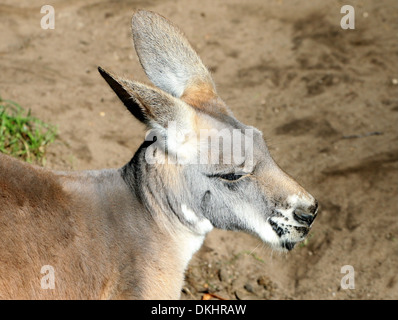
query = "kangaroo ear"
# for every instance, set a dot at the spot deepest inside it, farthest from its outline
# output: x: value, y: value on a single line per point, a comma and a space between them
x: 169, y: 60
x: 150, y: 105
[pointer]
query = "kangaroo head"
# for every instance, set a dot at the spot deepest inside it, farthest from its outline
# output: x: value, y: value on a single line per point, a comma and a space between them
x: 213, y: 170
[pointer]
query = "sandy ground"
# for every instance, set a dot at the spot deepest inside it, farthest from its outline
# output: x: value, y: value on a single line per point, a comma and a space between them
x: 325, y: 98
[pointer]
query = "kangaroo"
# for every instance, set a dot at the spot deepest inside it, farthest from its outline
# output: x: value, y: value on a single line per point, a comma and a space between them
x: 129, y: 233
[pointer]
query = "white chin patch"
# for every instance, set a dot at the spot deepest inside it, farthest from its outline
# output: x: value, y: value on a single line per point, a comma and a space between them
x: 278, y: 231
x: 256, y: 222
x: 268, y: 235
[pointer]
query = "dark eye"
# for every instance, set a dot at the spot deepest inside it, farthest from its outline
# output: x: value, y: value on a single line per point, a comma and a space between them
x: 231, y: 176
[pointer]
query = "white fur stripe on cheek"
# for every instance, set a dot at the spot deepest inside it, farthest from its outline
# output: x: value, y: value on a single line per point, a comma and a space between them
x: 202, y: 225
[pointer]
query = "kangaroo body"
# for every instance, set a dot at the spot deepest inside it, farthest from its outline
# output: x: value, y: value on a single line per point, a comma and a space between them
x: 100, y: 240
x: 130, y: 233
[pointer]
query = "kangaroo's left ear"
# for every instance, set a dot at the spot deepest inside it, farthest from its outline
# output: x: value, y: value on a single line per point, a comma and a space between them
x: 171, y: 63
x: 152, y: 106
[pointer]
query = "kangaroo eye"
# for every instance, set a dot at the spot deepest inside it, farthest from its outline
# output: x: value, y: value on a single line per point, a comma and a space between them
x: 231, y: 176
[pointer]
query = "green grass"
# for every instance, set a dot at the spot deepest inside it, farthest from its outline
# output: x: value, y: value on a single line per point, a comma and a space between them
x: 305, y: 242
x: 22, y: 135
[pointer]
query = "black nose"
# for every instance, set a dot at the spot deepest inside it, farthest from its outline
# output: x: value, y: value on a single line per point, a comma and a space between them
x: 306, y: 215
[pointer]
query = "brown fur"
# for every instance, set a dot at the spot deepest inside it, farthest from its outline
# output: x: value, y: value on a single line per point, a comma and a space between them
x: 55, y: 219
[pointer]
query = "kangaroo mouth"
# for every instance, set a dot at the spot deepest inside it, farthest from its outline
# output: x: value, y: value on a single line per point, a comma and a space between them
x: 288, y: 234
x: 288, y: 245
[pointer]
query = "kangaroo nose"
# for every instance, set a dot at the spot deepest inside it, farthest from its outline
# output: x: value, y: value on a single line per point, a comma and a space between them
x: 306, y: 215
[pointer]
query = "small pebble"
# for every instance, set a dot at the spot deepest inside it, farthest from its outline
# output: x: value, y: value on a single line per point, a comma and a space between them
x: 242, y: 295
x: 223, y: 275
x: 248, y: 287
